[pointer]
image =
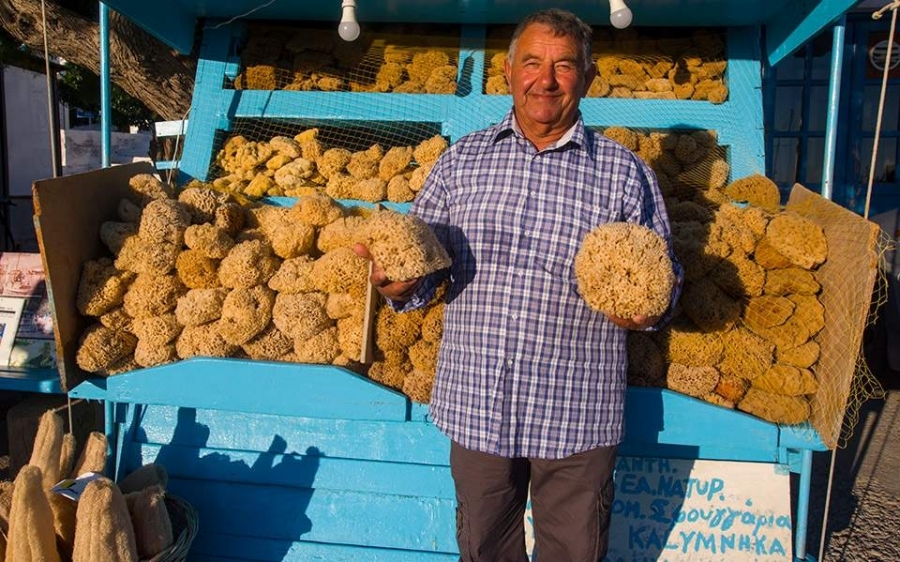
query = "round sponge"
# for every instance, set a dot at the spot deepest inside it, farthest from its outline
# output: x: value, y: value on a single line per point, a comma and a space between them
x: 624, y: 269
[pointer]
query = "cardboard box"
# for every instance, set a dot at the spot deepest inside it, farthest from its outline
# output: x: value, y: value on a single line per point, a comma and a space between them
x: 68, y: 212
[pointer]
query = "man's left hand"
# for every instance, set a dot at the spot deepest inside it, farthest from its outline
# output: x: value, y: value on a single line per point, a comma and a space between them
x: 639, y: 322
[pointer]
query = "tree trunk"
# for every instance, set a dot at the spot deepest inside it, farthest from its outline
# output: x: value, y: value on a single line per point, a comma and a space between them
x: 140, y: 64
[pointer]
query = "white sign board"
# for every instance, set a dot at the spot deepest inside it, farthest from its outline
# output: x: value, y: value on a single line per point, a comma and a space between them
x: 668, y: 510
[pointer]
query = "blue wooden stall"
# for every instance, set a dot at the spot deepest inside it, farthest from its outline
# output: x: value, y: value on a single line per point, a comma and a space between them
x: 307, y: 462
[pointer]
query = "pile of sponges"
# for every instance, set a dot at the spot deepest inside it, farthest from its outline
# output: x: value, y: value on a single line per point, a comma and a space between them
x: 744, y: 332
x: 304, y: 164
x: 199, y: 275
x: 110, y: 522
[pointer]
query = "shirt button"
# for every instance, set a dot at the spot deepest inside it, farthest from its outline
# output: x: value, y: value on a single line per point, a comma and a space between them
x: 515, y: 316
x: 509, y: 363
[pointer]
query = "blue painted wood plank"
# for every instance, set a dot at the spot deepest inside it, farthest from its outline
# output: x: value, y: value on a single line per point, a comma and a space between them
x: 325, y: 516
x: 215, y: 547
x: 401, y: 442
x: 798, y: 22
x: 22, y: 379
x: 744, y: 132
x: 290, y: 389
x: 169, y: 21
x: 305, y: 471
x: 664, y: 423
x: 209, y: 104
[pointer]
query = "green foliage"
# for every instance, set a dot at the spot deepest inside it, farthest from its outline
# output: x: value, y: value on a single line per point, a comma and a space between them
x: 81, y: 88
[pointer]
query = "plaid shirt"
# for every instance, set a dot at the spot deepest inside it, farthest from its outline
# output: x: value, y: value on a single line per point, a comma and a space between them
x: 525, y: 368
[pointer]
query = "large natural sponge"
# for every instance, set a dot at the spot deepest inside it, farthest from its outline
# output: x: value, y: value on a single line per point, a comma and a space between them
x: 404, y: 246
x: 755, y: 189
x: 624, y: 269
x: 798, y: 239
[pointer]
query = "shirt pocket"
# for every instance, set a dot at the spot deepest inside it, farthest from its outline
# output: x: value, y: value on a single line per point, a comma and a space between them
x: 559, y: 244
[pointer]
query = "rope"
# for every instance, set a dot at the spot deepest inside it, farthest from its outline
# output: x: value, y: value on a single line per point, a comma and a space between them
x: 50, y: 119
x: 893, y: 6
x: 887, y: 60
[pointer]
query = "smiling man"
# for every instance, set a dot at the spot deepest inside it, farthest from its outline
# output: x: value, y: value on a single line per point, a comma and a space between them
x: 530, y: 381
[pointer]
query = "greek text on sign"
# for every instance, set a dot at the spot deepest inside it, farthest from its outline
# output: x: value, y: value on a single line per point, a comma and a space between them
x: 668, y: 510
x: 671, y: 509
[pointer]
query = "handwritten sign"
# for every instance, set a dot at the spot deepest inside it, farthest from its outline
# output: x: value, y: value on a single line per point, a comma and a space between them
x: 668, y: 510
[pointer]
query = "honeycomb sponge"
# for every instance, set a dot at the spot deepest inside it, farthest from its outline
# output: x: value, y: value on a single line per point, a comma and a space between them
x: 245, y: 313
x: 338, y: 233
x: 101, y: 287
x: 247, y: 264
x: 693, y: 381
x: 755, y: 189
x: 686, y: 345
x: 404, y: 246
x: 320, y: 348
x: 300, y: 316
x: 787, y: 380
x: 341, y: 271
x: 776, y: 408
x: 164, y: 220
x: 646, y: 363
x: 203, y: 341
x: 269, y: 345
x: 199, y: 306
x: 418, y: 385
x: 294, y: 276
x: 624, y: 269
x: 209, y: 240
x: 395, y: 331
x: 101, y: 348
x: 196, y: 270
x: 153, y: 295
x: 157, y: 331
x: 798, y: 239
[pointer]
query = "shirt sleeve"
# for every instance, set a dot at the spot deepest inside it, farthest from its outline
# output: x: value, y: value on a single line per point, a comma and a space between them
x: 430, y: 205
x: 648, y: 209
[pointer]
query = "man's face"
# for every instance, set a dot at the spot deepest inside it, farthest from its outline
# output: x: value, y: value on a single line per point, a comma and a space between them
x: 547, y: 79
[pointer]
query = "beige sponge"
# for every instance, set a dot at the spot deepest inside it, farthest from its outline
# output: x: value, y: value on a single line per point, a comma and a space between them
x: 402, y: 245
x: 624, y: 269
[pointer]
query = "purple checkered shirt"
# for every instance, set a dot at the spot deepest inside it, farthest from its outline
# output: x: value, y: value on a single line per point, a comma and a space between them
x: 525, y: 368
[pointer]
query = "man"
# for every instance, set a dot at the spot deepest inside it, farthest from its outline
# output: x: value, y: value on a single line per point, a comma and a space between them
x: 530, y: 382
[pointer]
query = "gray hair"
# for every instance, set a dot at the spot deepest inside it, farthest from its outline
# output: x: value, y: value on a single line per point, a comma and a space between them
x: 563, y: 23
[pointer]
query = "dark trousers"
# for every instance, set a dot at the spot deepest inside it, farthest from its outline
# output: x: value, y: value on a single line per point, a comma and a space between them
x: 571, y: 500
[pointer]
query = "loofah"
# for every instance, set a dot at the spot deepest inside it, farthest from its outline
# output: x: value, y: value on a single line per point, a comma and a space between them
x: 151, y: 522
x: 144, y: 476
x: 46, y: 453
x: 31, y: 535
x: 636, y: 278
x: 104, y: 529
x: 93, y: 455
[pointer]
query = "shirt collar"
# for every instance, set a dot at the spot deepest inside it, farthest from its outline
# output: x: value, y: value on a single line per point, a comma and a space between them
x: 575, y: 134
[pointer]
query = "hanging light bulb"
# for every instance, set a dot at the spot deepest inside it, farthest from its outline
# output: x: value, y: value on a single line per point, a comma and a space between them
x: 348, y: 28
x: 619, y: 14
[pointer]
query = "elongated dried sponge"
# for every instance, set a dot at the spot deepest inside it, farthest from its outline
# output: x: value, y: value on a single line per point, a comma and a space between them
x: 624, y: 269
x: 104, y: 532
x: 47, y: 451
x: 403, y: 245
x: 31, y: 536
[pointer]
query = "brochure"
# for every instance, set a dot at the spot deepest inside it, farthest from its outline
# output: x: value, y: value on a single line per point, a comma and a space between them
x: 10, y: 313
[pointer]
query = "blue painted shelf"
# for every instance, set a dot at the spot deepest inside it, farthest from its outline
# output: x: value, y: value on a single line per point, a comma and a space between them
x: 20, y: 379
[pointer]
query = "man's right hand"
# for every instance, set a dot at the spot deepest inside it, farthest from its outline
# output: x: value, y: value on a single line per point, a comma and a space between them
x: 399, y: 291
